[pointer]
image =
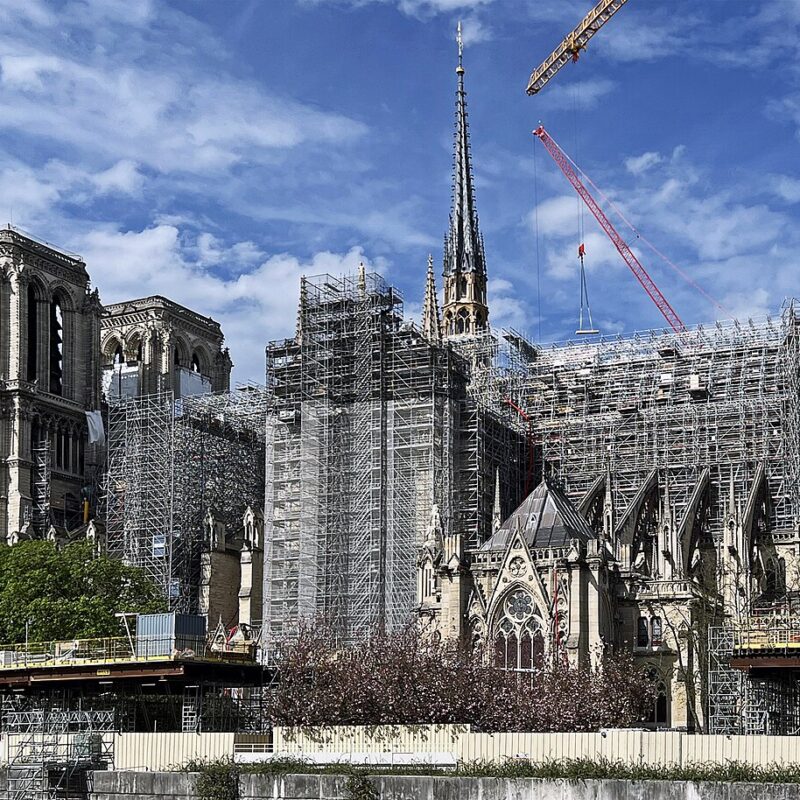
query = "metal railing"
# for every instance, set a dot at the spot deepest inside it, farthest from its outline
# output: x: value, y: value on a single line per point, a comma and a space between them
x: 780, y: 634
x: 104, y: 651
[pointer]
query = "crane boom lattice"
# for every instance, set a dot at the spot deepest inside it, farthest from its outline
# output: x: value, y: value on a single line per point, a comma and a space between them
x: 560, y: 157
x: 572, y: 45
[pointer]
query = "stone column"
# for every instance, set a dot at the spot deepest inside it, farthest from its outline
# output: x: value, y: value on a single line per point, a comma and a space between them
x: 17, y: 328
x: 19, y: 469
x: 166, y: 359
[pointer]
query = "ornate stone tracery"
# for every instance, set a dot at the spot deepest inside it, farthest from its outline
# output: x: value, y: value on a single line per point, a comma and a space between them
x: 518, y: 632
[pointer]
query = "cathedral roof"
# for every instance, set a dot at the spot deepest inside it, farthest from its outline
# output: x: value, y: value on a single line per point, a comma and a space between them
x: 546, y: 518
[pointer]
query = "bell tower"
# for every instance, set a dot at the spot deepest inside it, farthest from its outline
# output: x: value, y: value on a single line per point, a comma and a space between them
x: 465, y: 311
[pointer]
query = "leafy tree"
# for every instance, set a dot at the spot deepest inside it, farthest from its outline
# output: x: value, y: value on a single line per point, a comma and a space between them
x: 407, y: 679
x: 68, y: 593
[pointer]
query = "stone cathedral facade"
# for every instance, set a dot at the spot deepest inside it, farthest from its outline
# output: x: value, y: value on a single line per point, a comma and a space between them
x: 62, y: 354
x: 50, y: 370
x: 153, y: 345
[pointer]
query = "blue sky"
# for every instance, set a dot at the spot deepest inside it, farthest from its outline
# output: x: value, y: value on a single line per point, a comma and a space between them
x: 214, y: 152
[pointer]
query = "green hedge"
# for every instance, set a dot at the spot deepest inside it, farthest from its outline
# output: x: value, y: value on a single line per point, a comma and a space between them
x: 219, y: 779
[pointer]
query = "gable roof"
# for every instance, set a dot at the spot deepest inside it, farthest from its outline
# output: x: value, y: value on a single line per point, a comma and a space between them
x: 546, y: 518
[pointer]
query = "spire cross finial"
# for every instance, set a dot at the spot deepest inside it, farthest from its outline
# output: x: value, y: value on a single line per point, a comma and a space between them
x: 460, y: 40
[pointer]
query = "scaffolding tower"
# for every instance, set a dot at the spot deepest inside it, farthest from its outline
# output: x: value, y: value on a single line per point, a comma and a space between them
x: 41, y: 486
x: 725, y: 684
x: 50, y: 751
x: 169, y: 463
x: 370, y: 426
x: 139, y: 485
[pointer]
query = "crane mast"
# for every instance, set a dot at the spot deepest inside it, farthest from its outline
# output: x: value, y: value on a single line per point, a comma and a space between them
x: 560, y: 157
x: 570, y: 48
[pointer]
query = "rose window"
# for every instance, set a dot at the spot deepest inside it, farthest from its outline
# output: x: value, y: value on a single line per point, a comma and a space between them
x: 519, y: 605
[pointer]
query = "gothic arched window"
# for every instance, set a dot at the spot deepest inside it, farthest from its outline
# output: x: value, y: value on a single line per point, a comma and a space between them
x: 33, y: 334
x: 642, y: 632
x: 656, y: 633
x: 518, y: 640
x: 56, y: 347
x: 462, y: 321
x: 659, y: 711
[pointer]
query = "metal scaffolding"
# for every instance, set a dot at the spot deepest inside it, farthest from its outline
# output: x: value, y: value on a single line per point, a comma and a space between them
x: 725, y: 684
x: 370, y: 426
x: 724, y: 397
x: 41, y: 485
x: 51, y: 751
x: 711, y: 417
x: 139, y: 484
x: 169, y: 463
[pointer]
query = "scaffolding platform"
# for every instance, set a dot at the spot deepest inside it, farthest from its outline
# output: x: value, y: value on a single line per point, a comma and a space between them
x: 103, y: 661
x: 768, y: 643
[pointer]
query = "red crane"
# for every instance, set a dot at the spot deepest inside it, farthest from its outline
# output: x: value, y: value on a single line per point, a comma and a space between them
x: 561, y: 158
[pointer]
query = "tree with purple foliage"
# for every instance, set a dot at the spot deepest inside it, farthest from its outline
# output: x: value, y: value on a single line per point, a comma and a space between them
x: 405, y: 678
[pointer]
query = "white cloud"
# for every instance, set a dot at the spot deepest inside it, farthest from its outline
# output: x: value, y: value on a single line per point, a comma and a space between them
x: 752, y: 303
x: 253, y: 306
x: 508, y: 309
x: 557, y: 216
x: 123, y: 178
x: 636, y: 165
x: 579, y: 95
x: 25, y: 193
x: 169, y: 119
x: 785, y: 187
x: 475, y: 30
x: 561, y: 256
x: 414, y: 7
x: 636, y: 37
x: 27, y: 72
x: 32, y: 11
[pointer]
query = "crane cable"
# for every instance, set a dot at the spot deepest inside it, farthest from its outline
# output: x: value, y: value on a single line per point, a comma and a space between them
x: 585, y: 308
x: 642, y: 237
x: 536, y: 234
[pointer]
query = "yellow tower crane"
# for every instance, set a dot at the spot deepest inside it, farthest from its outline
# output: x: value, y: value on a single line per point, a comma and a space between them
x: 570, y: 48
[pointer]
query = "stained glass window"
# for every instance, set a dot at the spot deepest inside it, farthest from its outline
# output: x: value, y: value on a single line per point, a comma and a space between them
x: 518, y: 639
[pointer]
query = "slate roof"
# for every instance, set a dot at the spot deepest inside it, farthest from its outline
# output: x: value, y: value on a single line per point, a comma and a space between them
x: 546, y: 518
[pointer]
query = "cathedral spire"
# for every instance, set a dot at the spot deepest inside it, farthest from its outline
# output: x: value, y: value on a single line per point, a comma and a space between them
x: 464, y: 252
x: 430, y: 307
x: 465, y: 310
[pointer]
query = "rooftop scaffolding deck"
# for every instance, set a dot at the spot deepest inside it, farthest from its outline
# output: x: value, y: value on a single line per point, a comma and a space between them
x: 99, y: 660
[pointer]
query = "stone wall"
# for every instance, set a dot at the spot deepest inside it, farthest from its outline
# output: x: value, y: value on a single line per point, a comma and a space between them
x: 178, y: 786
x: 143, y: 786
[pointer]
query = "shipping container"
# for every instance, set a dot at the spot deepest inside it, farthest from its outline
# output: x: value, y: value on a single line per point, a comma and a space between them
x: 169, y: 634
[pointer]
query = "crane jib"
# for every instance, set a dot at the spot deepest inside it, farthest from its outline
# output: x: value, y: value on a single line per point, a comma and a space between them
x: 628, y: 256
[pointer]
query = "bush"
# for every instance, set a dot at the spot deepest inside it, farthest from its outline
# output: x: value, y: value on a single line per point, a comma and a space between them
x: 220, y: 777
x: 218, y: 780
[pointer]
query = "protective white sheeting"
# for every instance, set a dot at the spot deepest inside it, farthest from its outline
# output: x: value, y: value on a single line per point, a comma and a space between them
x: 121, y: 380
x: 97, y: 433
x: 193, y: 383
